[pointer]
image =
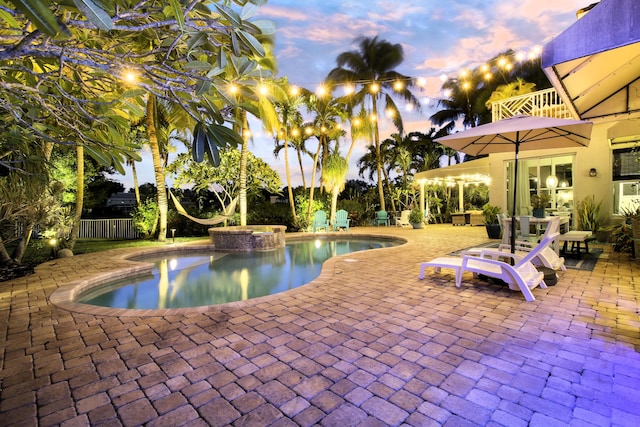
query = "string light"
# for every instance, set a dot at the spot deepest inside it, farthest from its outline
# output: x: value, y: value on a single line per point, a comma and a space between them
x: 130, y: 76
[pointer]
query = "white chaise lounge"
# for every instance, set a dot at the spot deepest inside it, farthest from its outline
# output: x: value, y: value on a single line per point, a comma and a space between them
x: 521, y: 276
x: 548, y: 257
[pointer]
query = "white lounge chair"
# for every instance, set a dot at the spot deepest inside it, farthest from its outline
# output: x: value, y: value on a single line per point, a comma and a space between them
x: 521, y: 276
x: 403, y: 219
x: 548, y: 257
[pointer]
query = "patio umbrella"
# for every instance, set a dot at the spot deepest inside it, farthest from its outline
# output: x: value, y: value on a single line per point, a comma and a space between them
x: 519, y: 133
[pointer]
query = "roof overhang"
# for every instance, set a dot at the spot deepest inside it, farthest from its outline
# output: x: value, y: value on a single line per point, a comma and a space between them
x: 471, y: 171
x: 595, y: 63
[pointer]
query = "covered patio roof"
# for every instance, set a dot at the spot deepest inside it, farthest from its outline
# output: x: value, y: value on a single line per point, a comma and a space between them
x: 595, y: 63
x: 473, y: 170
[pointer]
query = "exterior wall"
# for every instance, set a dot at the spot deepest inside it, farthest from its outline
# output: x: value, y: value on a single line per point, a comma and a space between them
x: 597, y: 155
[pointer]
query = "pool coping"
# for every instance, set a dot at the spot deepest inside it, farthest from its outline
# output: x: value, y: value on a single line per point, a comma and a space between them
x: 64, y: 296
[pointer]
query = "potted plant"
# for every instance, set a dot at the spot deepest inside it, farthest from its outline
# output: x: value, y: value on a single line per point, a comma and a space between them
x: 589, y: 214
x: 632, y: 217
x: 490, y: 213
x: 415, y: 217
x: 539, y: 202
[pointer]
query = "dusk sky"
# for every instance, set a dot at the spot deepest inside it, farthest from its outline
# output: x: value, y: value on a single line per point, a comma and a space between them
x: 438, y: 36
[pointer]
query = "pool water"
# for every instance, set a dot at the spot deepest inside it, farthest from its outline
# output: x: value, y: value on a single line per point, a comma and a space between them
x: 196, y: 279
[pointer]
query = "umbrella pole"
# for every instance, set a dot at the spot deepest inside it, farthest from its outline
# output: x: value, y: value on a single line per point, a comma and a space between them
x: 515, y: 186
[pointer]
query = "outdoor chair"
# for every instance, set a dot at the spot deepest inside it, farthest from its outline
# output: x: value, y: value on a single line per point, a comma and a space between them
x: 522, y: 276
x: 342, y: 220
x: 547, y: 257
x: 320, y: 221
x: 403, y: 219
x: 382, y: 217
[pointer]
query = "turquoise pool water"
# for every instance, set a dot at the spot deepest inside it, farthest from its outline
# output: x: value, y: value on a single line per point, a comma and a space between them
x: 195, y: 279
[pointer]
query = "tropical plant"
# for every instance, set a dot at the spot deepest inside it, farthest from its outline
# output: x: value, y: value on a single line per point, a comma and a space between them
x: 334, y: 178
x: 372, y: 68
x: 621, y: 237
x: 327, y: 114
x: 144, y: 217
x: 467, y: 95
x: 415, y: 216
x: 222, y: 180
x: 287, y: 104
x: 540, y: 201
x: 588, y: 214
x: 509, y: 90
x: 80, y: 73
x: 490, y: 213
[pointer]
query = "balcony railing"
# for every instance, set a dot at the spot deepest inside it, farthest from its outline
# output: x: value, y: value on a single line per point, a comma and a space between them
x: 543, y: 103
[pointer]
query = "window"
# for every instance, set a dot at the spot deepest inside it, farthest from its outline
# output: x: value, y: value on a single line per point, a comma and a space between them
x: 546, y: 175
x: 625, y: 172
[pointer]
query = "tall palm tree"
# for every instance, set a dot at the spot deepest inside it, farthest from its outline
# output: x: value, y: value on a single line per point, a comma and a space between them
x: 287, y: 103
x: 298, y: 140
x: 163, y: 121
x: 372, y: 70
x: 328, y: 114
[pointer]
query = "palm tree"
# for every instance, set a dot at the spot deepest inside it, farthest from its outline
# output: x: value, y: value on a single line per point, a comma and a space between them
x: 287, y: 103
x: 298, y: 139
x: 509, y: 90
x: 372, y: 69
x: 163, y: 121
x: 333, y: 179
x: 328, y: 113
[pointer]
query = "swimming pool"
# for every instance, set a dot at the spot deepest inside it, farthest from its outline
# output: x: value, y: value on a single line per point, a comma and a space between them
x: 182, y: 279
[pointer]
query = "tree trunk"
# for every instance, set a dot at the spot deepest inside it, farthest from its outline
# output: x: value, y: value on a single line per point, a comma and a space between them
x: 163, y: 203
x: 244, y: 154
x: 136, y: 187
x: 334, y: 204
x: 77, y: 215
x: 376, y: 140
x: 304, y: 180
x: 313, y: 182
x: 5, y: 259
x: 292, y: 202
x: 21, y: 247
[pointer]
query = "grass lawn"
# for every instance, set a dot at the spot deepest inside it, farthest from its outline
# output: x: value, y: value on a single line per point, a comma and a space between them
x: 39, y: 251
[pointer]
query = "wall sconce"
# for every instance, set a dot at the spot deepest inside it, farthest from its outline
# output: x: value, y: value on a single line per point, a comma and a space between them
x: 593, y: 172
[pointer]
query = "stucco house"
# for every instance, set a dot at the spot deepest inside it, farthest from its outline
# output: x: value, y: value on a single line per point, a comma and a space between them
x: 594, y: 66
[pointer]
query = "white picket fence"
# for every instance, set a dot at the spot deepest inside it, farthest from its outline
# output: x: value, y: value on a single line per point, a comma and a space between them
x: 111, y: 228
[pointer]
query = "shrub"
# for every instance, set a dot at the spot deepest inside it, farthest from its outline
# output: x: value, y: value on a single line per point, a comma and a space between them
x: 144, y: 217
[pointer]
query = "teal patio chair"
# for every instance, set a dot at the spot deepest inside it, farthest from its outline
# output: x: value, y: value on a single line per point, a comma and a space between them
x: 342, y: 220
x: 382, y: 217
x: 320, y: 221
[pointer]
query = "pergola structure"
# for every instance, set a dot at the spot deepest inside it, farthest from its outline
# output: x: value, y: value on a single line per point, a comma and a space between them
x: 461, y: 174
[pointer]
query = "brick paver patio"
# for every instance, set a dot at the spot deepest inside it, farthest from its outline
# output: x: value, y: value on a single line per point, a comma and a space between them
x: 367, y: 343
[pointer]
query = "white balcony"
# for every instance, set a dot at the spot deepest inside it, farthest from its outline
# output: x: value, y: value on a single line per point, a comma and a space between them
x: 543, y: 103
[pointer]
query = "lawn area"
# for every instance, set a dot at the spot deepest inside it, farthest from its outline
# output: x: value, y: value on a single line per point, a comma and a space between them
x: 39, y: 252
